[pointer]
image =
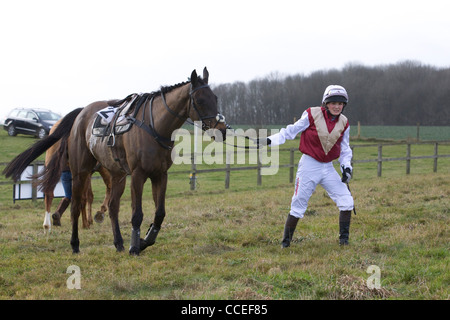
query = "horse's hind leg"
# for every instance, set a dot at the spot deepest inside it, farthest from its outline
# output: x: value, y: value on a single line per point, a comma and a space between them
x: 118, y: 186
x: 159, y: 185
x: 99, y: 216
x: 56, y: 216
x: 48, y: 205
x: 88, y: 198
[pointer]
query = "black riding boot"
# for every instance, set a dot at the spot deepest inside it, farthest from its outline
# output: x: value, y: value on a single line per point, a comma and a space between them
x: 289, y: 228
x: 344, y: 226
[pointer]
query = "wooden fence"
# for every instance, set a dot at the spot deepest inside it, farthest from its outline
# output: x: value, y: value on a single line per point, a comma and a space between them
x: 407, y: 157
x: 292, y: 165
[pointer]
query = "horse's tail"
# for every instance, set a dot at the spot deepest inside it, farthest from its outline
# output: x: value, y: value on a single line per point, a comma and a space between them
x: 48, y: 178
x: 15, y: 168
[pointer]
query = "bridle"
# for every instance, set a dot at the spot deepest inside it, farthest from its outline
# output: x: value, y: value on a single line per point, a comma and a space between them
x: 192, y: 104
x: 219, y: 119
x: 167, y: 143
x: 164, y: 142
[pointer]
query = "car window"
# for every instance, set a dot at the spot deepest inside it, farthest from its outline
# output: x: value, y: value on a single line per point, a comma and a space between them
x: 22, y: 114
x: 31, y: 115
x: 14, y: 113
x: 48, y: 116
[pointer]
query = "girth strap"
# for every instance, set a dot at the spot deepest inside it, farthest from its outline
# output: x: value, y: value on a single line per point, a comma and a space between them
x: 161, y: 140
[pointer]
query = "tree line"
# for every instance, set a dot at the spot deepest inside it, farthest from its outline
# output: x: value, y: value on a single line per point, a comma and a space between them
x: 405, y: 93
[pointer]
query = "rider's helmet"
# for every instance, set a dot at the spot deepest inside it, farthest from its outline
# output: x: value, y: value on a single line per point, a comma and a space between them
x: 335, y: 93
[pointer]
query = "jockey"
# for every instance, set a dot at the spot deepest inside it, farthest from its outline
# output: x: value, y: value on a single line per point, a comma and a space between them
x: 325, y: 137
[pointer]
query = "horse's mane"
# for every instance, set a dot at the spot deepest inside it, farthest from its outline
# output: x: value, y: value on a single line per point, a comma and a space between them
x: 163, y: 90
x: 167, y: 89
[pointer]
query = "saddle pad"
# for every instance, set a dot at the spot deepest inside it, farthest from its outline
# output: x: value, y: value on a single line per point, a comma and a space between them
x: 102, y: 124
x: 101, y: 129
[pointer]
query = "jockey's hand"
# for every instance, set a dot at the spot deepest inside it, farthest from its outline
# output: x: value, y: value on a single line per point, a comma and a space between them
x: 346, y: 174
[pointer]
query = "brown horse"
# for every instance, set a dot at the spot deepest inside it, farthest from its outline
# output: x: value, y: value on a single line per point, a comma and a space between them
x: 49, y: 177
x: 143, y: 152
x: 49, y: 186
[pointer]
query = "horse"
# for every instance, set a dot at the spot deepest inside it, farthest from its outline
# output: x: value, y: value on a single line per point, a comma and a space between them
x: 49, y: 177
x: 50, y: 184
x: 143, y: 152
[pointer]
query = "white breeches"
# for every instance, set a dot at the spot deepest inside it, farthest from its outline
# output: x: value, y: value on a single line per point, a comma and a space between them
x: 310, y: 173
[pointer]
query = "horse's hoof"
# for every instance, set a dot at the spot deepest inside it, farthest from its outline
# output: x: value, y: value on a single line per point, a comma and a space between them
x: 99, y: 216
x: 56, y: 219
x: 142, y: 244
x: 134, y: 251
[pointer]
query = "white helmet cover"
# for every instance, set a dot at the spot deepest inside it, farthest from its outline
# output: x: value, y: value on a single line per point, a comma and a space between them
x: 335, y: 93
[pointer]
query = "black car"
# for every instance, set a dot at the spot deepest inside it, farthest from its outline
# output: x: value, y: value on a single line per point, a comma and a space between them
x: 36, y: 122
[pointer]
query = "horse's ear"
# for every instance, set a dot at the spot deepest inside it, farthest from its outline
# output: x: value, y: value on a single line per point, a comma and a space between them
x: 205, y: 75
x: 194, y: 78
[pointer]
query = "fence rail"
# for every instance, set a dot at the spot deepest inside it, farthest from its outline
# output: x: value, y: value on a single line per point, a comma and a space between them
x: 291, y: 165
x: 379, y: 160
x: 407, y: 158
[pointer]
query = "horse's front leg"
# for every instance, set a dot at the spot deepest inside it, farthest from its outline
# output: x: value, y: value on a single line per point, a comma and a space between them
x: 137, y: 186
x: 159, y: 186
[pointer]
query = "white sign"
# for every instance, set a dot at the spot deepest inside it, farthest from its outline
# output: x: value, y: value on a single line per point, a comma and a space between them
x: 24, y: 191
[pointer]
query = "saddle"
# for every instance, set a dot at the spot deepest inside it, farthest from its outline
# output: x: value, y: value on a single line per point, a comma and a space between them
x: 116, y: 119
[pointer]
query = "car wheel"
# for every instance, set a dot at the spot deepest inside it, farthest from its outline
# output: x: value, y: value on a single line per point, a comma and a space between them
x: 12, y: 131
x: 42, y: 133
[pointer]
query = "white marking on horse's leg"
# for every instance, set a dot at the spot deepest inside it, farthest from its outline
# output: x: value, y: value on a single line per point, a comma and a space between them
x: 47, y: 222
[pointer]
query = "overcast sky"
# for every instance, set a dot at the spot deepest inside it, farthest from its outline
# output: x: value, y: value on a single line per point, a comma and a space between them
x: 63, y: 55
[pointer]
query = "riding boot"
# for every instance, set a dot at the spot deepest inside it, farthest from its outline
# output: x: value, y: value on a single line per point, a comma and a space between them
x: 59, y: 211
x: 150, y: 237
x: 344, y: 227
x: 289, y: 228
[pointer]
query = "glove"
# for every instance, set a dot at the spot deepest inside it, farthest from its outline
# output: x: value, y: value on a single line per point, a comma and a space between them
x: 346, y: 174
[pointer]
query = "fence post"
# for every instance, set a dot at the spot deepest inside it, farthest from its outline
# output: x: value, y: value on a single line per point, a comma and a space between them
x: 408, y: 158
x: 34, y: 188
x: 291, y: 163
x: 435, y: 157
x: 227, y: 171
x: 259, y: 180
x: 193, y: 178
x: 380, y: 161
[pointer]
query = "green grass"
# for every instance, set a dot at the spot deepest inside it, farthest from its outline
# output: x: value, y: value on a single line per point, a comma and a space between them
x: 225, y: 244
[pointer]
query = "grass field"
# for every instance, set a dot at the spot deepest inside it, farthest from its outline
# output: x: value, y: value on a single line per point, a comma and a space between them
x: 225, y: 244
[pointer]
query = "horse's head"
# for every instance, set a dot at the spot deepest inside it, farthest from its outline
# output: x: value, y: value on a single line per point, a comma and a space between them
x: 203, y: 104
